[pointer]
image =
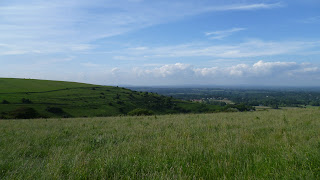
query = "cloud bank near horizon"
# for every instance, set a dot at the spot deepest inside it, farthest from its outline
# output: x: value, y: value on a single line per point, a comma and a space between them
x: 258, y: 73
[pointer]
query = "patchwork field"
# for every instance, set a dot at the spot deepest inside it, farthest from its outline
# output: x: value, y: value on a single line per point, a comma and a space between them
x: 281, y: 144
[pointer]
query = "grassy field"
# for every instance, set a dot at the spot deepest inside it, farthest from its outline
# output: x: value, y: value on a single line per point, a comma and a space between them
x: 71, y: 99
x: 271, y: 144
x: 13, y: 85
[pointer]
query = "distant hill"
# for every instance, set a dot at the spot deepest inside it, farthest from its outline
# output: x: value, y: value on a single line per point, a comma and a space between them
x: 30, y: 98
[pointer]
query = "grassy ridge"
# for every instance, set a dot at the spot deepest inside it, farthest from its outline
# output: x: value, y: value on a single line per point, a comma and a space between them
x: 13, y: 85
x: 70, y: 99
x: 281, y: 144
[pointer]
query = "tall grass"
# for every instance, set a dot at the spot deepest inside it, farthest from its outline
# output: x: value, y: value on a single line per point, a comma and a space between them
x: 281, y: 144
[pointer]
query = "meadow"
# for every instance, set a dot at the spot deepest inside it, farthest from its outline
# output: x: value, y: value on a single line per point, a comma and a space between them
x: 277, y: 144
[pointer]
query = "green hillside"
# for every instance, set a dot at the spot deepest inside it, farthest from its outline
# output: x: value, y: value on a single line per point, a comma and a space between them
x: 26, y: 98
x: 11, y: 85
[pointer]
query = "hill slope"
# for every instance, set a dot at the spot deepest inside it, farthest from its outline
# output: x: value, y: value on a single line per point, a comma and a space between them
x: 12, y: 85
x: 26, y: 98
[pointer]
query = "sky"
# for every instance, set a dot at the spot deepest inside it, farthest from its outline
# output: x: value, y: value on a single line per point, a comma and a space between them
x: 167, y: 42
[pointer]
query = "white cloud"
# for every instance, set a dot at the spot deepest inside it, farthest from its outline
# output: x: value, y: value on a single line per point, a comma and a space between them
x: 270, y: 67
x: 212, y: 71
x: 224, y: 33
x: 237, y: 70
x: 169, y: 70
x: 258, y: 69
x: 115, y: 70
x: 258, y: 73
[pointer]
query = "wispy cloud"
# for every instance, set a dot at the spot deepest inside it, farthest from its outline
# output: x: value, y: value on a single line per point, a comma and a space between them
x: 311, y: 20
x: 251, y: 48
x: 90, y: 65
x: 73, y: 25
x: 250, y: 6
x: 224, y: 33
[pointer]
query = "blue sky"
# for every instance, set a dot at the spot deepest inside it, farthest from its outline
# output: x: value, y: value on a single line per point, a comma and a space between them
x: 167, y: 42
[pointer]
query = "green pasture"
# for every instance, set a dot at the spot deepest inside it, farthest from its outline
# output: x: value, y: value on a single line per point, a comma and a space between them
x: 270, y: 144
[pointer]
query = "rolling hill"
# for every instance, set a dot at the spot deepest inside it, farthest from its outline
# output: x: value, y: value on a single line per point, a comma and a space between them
x: 30, y: 98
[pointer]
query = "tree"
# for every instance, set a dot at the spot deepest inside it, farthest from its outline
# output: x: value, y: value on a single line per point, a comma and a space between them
x: 26, y: 101
x: 5, y: 102
x: 140, y: 112
x: 25, y: 113
x: 275, y: 106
